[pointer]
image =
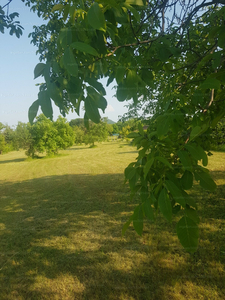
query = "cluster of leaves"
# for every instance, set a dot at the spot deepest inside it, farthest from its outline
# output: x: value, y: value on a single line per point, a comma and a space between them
x: 174, y: 65
x: 7, y: 22
x: 47, y: 136
x: 189, y: 104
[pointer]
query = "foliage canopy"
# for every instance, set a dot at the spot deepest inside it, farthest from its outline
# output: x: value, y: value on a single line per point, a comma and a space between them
x: 7, y: 21
x: 165, y: 55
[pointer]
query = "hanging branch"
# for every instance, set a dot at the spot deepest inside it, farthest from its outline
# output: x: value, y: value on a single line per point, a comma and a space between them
x: 7, y: 4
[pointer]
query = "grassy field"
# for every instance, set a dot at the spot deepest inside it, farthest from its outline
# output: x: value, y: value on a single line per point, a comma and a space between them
x: 60, y: 237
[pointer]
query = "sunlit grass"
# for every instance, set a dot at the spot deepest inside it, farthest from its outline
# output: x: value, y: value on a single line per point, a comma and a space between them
x: 60, y: 232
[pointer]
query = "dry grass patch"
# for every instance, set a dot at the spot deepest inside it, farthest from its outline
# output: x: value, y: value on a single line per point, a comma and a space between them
x: 60, y: 233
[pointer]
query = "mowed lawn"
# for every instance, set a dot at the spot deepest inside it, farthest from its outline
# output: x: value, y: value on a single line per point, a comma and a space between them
x: 60, y: 232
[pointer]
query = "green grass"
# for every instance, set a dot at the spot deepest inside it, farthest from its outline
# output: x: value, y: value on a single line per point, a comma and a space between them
x: 60, y: 237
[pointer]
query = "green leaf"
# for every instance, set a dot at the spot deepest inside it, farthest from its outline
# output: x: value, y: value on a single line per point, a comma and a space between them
x: 205, y: 160
x: 144, y: 194
x: 190, y: 201
x: 163, y: 124
x: 147, y: 166
x: 83, y: 47
x: 97, y: 85
x: 133, y: 10
x: 192, y: 214
x: 121, y: 93
x: 46, y: 73
x: 66, y: 12
x: 164, y: 161
x: 175, y: 192
x: 216, y: 59
x: 197, y: 130
x: 135, y: 190
x: 102, y: 103
x: 148, y: 210
x: 126, y: 225
x: 185, y: 159
x: 176, y: 208
x: 55, y: 93
x: 39, y: 70
x: 58, y: 7
x: 96, y: 17
x: 70, y: 62
x: 147, y: 76
x: 210, y: 83
x: 86, y: 121
x: 188, y: 234
x: 140, y: 129
x: 65, y: 37
x: 129, y: 172
x: 92, y: 110
x: 206, y: 180
x: 187, y: 180
x: 32, y: 112
x: 55, y: 67
x: 132, y: 78
x: 133, y: 181
x: 120, y: 72
x: 163, y: 53
x: 98, y: 99
x: 110, y: 79
x: 196, y: 151
x: 46, y: 104
x: 134, y: 2
x: 138, y: 220
x: 165, y: 205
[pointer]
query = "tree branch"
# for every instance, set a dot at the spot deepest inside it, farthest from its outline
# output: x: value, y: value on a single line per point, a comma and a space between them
x: 133, y: 44
x: 7, y: 4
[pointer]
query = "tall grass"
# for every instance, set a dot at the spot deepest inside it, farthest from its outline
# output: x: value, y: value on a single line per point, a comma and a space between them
x: 60, y: 237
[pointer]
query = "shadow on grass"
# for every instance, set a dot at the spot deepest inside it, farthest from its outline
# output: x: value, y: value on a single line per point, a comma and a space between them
x: 74, y: 148
x: 60, y: 238
x: 12, y: 160
x: 124, y: 152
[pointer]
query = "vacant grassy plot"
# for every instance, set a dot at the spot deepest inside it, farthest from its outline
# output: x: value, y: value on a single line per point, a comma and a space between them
x: 60, y: 237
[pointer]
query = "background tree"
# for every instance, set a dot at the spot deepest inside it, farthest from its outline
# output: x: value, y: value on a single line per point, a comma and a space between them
x: 65, y: 134
x: 169, y: 55
x: 49, y: 137
x: 125, y: 130
x: 218, y: 136
x: 79, y: 134
x: 22, y: 137
x: 43, y: 137
x: 96, y: 133
x: 8, y: 133
x: 9, y: 137
x: 77, y: 122
x: 115, y: 129
x: 1, y: 126
x: 2, y: 143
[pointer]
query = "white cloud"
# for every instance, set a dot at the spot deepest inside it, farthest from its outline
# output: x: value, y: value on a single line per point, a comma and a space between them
x: 109, y: 108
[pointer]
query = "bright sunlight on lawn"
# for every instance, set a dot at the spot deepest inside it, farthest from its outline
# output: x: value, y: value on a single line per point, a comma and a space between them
x: 61, y: 220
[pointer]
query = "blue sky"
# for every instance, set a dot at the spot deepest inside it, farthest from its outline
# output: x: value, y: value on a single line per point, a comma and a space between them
x: 17, y: 62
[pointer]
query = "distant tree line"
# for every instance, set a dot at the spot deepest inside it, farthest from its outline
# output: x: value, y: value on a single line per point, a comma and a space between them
x: 46, y: 136
x: 99, y: 132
